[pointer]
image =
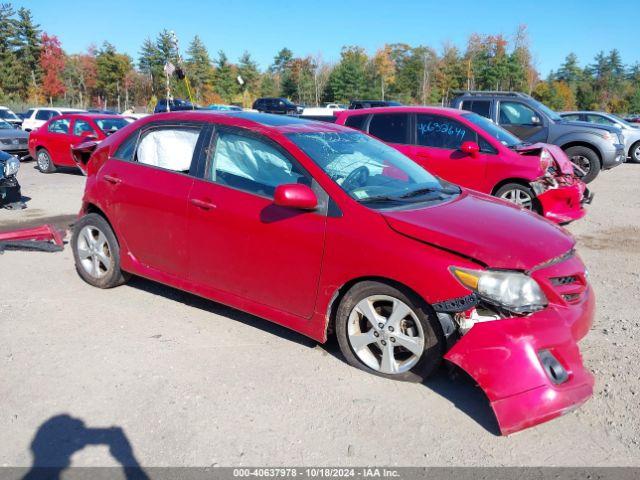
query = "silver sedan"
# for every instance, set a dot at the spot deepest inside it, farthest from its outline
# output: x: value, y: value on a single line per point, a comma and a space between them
x: 12, y: 140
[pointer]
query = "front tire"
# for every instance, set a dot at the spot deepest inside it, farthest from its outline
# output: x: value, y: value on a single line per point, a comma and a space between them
x: 388, y: 332
x: 634, y: 152
x: 96, y: 252
x: 587, y: 160
x: 520, y: 195
x: 44, y: 162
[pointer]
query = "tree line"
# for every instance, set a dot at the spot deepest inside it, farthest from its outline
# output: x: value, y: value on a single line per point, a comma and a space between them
x: 35, y: 70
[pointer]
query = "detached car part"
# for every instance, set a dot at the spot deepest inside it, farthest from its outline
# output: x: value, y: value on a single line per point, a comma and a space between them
x: 45, y: 238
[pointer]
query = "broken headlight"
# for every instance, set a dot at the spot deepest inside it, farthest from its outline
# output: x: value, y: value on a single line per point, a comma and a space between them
x: 512, y: 291
x: 11, y: 166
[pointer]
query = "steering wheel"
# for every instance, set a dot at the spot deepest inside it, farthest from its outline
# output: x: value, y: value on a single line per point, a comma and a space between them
x: 356, y: 179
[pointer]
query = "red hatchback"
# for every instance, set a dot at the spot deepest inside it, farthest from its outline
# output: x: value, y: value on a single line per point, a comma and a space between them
x: 325, y: 229
x: 471, y: 151
x: 51, y: 144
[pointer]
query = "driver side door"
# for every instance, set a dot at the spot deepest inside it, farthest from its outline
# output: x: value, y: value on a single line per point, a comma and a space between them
x: 521, y: 120
x: 242, y: 244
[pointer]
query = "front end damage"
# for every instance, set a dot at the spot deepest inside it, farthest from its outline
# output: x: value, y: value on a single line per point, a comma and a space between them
x: 561, y: 195
x: 10, y: 194
x: 528, y: 365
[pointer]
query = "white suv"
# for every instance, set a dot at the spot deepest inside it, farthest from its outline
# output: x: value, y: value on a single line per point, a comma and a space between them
x: 36, y: 117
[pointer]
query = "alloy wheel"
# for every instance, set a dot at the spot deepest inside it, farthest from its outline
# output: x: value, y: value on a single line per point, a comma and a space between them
x: 636, y: 154
x: 519, y: 197
x: 43, y: 161
x: 385, y: 334
x: 94, y: 251
x: 583, y: 162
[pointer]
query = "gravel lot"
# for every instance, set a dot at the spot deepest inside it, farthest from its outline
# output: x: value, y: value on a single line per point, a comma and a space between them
x: 194, y: 383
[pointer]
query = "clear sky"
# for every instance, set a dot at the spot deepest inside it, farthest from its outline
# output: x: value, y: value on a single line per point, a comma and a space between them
x: 324, y: 26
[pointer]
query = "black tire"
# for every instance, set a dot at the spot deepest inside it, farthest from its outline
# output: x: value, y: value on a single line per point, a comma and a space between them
x: 434, y: 342
x: 108, y: 277
x: 522, y: 190
x: 580, y: 154
x: 634, y: 153
x: 44, y: 162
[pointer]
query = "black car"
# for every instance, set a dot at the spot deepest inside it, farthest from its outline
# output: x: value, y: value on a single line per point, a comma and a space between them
x: 356, y: 104
x: 280, y: 106
x: 9, y: 186
x: 175, y: 105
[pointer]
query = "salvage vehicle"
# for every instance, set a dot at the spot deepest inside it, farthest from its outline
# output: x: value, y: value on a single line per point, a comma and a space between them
x: 590, y: 147
x: 34, y: 118
x: 469, y: 150
x: 9, y: 187
x: 51, y: 144
x: 630, y: 131
x: 13, y: 141
x: 323, y: 229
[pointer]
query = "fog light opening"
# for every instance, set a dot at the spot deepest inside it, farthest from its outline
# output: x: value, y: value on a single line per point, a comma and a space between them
x: 552, y: 367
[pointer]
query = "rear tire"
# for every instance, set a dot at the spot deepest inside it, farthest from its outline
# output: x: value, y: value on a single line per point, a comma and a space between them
x: 586, y: 159
x: 44, y: 162
x: 96, y: 252
x: 634, y: 152
x: 408, y: 346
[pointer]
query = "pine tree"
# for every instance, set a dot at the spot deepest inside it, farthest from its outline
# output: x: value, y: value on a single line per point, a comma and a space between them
x: 199, y: 68
x: 27, y: 53
x: 248, y: 70
x: 9, y: 74
x: 225, y: 83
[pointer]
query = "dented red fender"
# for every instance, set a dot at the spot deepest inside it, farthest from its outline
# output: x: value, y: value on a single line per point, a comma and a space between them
x: 503, y: 356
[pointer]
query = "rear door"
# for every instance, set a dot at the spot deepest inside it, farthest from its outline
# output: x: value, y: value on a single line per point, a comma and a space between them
x: 147, y: 192
x: 240, y: 242
x: 437, y: 148
x: 59, y: 139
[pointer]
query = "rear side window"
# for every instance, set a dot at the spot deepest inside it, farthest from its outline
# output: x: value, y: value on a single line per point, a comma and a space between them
x: 45, y: 114
x: 442, y: 132
x: 390, y: 127
x: 170, y: 148
x: 356, y: 121
x: 572, y: 117
x: 127, y: 148
x: 481, y: 107
x: 59, y: 126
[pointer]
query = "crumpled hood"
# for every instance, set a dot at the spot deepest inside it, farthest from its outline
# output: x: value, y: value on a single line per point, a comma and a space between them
x: 491, y: 231
x: 564, y: 164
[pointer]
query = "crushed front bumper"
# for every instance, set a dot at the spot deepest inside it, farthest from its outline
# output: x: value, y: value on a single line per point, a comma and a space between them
x: 530, y: 368
x: 564, y: 202
x: 9, y: 191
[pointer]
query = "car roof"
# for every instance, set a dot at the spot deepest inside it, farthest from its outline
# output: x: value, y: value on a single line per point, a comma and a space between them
x: 403, y: 109
x: 264, y: 121
x: 88, y: 116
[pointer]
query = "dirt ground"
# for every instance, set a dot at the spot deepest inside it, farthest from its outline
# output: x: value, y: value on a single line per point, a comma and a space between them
x: 188, y: 382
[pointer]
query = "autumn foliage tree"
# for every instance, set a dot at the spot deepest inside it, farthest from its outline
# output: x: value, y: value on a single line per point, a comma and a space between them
x: 52, y: 61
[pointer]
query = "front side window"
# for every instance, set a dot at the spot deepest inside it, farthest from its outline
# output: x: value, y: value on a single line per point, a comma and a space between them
x: 59, y: 126
x: 81, y: 127
x: 572, y: 117
x: 170, y: 148
x: 371, y: 172
x: 251, y: 164
x: 441, y: 132
x: 493, y: 130
x: 7, y: 114
x: 516, y: 113
x: 390, y: 127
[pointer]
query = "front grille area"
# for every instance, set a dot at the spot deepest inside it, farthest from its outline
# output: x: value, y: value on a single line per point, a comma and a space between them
x: 565, y: 280
x: 568, y: 280
x: 11, y: 141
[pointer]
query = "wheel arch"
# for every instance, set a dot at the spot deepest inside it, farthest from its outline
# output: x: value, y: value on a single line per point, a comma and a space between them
x: 579, y: 143
x: 502, y: 183
x: 341, y: 291
x: 93, y: 208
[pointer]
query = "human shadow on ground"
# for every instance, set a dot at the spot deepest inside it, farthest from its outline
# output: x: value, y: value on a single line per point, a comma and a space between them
x: 449, y: 382
x: 61, y: 436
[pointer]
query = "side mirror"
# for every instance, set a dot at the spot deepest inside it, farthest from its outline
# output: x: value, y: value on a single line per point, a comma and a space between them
x: 535, y: 121
x: 470, y: 148
x: 295, y: 195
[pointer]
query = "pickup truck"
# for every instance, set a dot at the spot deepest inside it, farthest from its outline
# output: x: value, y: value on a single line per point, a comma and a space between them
x: 590, y: 147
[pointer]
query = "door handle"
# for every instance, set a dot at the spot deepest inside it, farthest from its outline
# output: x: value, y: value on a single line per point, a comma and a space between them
x: 112, y: 180
x: 203, y: 204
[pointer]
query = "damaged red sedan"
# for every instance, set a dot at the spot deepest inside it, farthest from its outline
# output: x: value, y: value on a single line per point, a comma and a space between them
x: 471, y: 151
x: 324, y: 229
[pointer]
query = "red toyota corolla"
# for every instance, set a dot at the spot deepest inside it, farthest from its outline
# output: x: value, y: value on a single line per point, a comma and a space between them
x: 50, y: 144
x: 471, y: 151
x: 325, y: 229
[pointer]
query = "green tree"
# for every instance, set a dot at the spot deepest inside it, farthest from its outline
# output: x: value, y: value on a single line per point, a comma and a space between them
x: 248, y: 71
x: 9, y: 74
x: 349, y: 79
x: 112, y: 68
x: 225, y: 83
x: 28, y: 47
x: 199, y: 68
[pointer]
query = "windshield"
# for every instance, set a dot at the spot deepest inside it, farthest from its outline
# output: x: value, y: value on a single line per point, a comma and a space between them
x: 370, y: 171
x: 496, y: 131
x: 546, y: 110
x: 8, y: 114
x: 621, y: 120
x: 108, y: 125
x: 5, y: 126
